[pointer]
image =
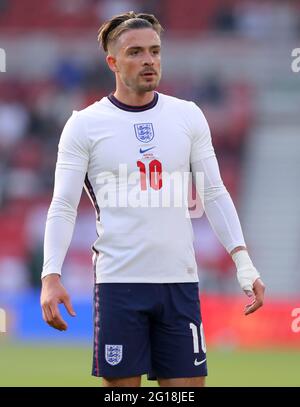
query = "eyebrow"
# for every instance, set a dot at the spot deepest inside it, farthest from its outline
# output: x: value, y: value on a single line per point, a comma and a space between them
x: 139, y: 48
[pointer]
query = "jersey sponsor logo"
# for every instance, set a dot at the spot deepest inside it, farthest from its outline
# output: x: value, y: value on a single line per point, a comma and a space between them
x: 142, y: 151
x: 144, y: 132
x: 196, y: 363
x: 113, y: 354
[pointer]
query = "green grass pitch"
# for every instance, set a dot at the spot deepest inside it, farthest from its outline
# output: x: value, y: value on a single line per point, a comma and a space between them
x: 41, y: 365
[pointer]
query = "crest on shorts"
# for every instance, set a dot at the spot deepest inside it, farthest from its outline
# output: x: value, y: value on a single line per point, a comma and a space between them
x: 144, y: 132
x: 113, y: 354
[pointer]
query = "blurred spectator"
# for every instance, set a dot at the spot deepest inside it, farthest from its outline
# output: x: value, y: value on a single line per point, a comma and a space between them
x: 68, y: 74
x: 71, y: 7
x: 13, y: 275
x: 14, y: 120
x: 22, y: 183
x: 98, y: 78
x: 260, y: 19
x: 156, y: 7
x: 225, y: 18
x: 210, y: 90
x: 108, y: 8
x: 4, y: 5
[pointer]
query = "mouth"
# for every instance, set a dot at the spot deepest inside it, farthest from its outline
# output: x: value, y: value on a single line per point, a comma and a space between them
x: 149, y: 74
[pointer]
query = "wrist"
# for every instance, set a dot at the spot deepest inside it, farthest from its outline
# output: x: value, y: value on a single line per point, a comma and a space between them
x: 51, y: 277
x: 237, y: 249
x: 242, y: 259
x: 246, y: 272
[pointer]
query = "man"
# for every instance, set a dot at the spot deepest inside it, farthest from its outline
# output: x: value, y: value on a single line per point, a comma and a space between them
x: 147, y: 310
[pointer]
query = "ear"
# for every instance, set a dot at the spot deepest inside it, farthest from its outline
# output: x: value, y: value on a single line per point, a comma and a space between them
x: 112, y: 63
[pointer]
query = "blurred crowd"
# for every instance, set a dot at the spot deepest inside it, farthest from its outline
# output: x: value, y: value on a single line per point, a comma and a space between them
x: 33, y: 113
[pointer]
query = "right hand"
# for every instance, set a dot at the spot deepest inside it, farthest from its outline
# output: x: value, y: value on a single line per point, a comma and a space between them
x: 52, y: 294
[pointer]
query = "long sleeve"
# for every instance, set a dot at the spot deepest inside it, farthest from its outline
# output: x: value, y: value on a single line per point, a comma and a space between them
x: 71, y: 168
x: 218, y: 205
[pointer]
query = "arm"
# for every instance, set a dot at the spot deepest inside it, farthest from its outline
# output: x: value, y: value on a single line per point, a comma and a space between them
x: 70, y: 172
x: 221, y: 211
x: 224, y: 220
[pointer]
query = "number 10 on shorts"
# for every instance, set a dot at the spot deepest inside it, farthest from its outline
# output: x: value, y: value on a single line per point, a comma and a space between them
x: 194, y: 329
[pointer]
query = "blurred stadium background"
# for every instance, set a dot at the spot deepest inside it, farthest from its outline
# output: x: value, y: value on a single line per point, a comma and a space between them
x: 232, y: 57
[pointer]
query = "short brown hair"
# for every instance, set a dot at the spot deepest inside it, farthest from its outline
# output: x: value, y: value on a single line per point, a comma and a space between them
x: 113, y: 28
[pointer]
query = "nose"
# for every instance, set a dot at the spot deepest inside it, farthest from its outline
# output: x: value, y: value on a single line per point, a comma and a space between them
x: 148, y: 59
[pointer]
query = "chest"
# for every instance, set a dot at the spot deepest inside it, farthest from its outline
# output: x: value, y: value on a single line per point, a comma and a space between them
x: 136, y: 142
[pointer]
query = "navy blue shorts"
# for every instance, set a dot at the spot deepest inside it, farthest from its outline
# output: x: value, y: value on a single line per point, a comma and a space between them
x: 148, y: 328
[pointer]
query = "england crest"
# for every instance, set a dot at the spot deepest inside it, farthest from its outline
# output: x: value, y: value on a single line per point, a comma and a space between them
x: 144, y: 132
x: 113, y: 354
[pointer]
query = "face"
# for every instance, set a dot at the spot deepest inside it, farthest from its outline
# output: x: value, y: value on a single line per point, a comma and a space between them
x: 135, y: 58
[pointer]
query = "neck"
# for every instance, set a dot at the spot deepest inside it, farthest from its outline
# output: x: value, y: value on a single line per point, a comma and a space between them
x: 134, y: 99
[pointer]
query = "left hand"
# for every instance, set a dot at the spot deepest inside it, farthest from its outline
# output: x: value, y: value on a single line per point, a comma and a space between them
x: 257, y: 295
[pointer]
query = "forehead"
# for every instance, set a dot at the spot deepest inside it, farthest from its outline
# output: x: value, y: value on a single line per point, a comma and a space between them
x: 142, y: 37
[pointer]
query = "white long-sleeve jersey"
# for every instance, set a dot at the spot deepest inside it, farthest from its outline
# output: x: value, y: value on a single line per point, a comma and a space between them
x: 123, y: 156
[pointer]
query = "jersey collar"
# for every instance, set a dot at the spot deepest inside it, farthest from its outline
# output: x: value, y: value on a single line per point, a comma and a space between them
x: 129, y: 108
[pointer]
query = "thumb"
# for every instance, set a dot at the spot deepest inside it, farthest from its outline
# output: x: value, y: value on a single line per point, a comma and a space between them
x: 69, y: 307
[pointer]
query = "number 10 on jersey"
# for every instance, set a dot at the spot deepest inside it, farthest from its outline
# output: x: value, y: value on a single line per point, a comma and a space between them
x: 154, y: 172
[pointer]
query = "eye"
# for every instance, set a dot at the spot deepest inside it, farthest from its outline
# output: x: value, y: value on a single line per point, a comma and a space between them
x: 135, y: 52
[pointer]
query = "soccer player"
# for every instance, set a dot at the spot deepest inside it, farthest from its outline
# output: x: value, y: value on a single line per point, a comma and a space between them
x: 147, y: 315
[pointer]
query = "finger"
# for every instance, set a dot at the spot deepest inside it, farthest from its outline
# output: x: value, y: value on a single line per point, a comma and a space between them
x: 250, y: 308
x: 68, y: 305
x: 257, y: 303
x: 57, y: 319
x: 259, y: 290
x: 46, y: 314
